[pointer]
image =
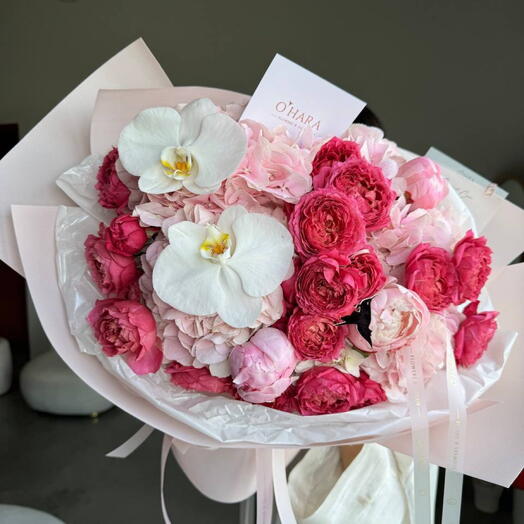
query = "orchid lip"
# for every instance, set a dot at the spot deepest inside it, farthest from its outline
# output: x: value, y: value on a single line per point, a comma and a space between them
x: 177, y: 162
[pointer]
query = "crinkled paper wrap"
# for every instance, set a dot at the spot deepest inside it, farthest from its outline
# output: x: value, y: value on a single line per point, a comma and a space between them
x: 227, y: 420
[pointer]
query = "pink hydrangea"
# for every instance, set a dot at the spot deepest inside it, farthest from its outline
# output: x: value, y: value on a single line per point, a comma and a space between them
x: 199, y: 340
x: 389, y: 368
x: 375, y: 148
x: 275, y: 163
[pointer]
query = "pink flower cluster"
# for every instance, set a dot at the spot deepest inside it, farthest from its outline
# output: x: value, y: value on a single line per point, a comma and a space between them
x: 370, y: 229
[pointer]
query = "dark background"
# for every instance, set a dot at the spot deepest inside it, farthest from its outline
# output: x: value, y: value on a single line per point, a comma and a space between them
x: 448, y: 73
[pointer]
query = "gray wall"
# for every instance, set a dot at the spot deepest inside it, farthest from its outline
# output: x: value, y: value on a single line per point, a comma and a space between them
x: 446, y: 73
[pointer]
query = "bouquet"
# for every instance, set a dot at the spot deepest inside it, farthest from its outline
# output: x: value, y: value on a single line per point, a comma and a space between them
x: 238, y: 286
x: 289, y: 274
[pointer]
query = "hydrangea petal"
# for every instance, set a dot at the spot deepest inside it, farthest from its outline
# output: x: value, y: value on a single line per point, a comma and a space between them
x: 182, y: 278
x: 263, y: 253
x: 218, y: 150
x: 192, y: 116
x: 142, y: 140
x: 155, y: 182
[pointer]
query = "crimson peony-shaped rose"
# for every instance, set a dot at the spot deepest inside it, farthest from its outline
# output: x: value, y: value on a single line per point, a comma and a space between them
x: 325, y: 286
x: 333, y: 151
x: 112, y: 192
x: 113, y: 274
x: 315, y: 337
x: 127, y: 328
x: 365, y: 183
x: 472, y: 258
x: 124, y: 235
x: 474, y: 334
x: 370, y: 267
x: 326, y: 220
x: 324, y: 389
x: 431, y: 274
x: 198, y: 379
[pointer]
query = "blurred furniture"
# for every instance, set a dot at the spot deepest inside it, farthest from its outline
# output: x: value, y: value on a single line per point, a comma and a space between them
x: 10, y: 514
x: 48, y: 385
x: 6, y: 366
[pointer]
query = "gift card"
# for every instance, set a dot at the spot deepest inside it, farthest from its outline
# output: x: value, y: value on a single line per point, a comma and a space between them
x: 292, y: 96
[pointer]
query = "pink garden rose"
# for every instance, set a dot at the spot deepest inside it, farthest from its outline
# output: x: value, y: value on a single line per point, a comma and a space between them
x: 472, y: 258
x: 398, y: 317
x: 262, y: 368
x: 425, y: 187
x: 326, y: 286
x: 371, y: 190
x: 112, y: 192
x: 323, y: 389
x: 113, y: 274
x: 370, y: 267
x: 431, y: 274
x: 275, y: 163
x: 127, y: 328
x: 124, y: 235
x: 198, y: 379
x: 326, y: 220
x: 315, y: 337
x: 333, y: 151
x: 474, y: 334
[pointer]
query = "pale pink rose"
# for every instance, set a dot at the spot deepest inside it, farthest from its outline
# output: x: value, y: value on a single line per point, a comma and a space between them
x: 424, y: 184
x: 389, y: 368
x: 398, y: 317
x: 262, y: 368
x: 408, y: 229
x: 275, y: 163
x: 375, y: 148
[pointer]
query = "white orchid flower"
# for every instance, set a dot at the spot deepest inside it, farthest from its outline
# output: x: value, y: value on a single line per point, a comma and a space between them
x: 226, y: 268
x: 197, y: 148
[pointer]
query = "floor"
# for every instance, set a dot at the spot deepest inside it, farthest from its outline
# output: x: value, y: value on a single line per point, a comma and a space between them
x: 57, y: 464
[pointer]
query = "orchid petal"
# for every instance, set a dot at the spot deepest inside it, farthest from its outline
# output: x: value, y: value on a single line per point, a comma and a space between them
x: 263, y: 253
x: 155, y: 181
x: 182, y: 277
x: 236, y: 309
x: 142, y: 141
x: 229, y: 216
x: 192, y: 116
x: 218, y: 150
x: 189, y: 184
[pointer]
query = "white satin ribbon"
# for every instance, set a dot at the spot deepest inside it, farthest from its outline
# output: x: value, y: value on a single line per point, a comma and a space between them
x: 280, y: 486
x: 420, y: 436
x: 166, y: 446
x: 456, y: 441
x: 264, y: 464
x: 132, y: 443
